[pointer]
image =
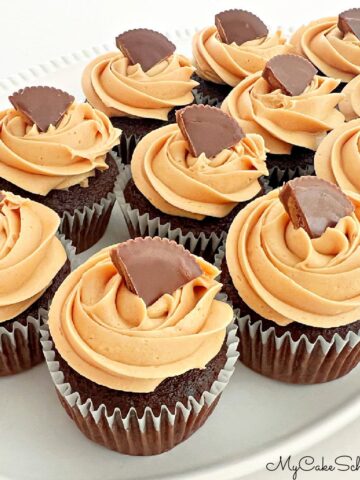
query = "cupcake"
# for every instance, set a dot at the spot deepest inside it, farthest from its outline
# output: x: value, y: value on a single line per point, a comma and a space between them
x: 188, y: 180
x: 238, y: 45
x: 337, y: 159
x: 140, y: 85
x: 332, y: 44
x: 55, y: 151
x: 292, y: 271
x: 292, y: 108
x: 350, y: 105
x: 33, y: 263
x: 138, y: 347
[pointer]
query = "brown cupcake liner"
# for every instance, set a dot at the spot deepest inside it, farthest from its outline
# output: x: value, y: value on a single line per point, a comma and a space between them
x: 87, y: 225
x: 293, y: 361
x: 20, y: 347
x: 142, y: 225
x: 278, y: 176
x: 149, y: 434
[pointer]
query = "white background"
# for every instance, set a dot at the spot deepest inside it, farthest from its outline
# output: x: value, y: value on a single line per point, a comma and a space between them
x: 35, y: 31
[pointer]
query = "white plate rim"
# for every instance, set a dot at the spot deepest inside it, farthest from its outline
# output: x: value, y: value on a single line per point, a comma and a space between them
x: 235, y: 467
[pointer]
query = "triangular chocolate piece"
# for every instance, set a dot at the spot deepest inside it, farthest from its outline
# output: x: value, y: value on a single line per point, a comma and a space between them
x: 208, y: 129
x: 145, y: 47
x: 43, y: 106
x: 239, y: 26
x: 291, y: 73
x: 314, y: 204
x: 153, y: 267
x: 349, y: 22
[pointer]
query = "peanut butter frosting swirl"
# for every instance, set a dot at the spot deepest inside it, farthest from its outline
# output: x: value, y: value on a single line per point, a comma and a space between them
x: 285, y: 276
x: 350, y: 105
x: 177, y: 183
x: 221, y: 63
x: 65, y: 155
x: 117, y: 88
x: 107, y: 334
x: 30, y: 254
x: 333, y: 53
x: 338, y: 157
x: 282, y: 120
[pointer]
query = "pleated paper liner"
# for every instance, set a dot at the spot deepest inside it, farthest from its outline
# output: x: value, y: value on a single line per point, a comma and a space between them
x: 142, y: 225
x: 132, y: 434
x: 20, y: 347
x: 87, y: 225
x: 294, y: 361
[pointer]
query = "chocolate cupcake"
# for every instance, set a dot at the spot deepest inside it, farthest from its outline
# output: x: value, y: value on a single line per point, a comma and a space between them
x: 190, y: 179
x: 140, y: 85
x: 350, y: 105
x: 138, y: 347
x: 55, y: 151
x: 332, y: 45
x: 33, y: 263
x: 292, y: 272
x: 292, y: 108
x: 238, y: 45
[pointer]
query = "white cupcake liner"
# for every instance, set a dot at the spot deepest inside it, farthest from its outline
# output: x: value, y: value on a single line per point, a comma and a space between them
x: 88, y: 224
x: 294, y: 361
x: 20, y: 347
x: 149, y: 434
x: 142, y: 225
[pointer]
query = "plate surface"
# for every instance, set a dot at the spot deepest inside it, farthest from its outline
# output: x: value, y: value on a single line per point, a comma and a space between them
x: 257, y: 419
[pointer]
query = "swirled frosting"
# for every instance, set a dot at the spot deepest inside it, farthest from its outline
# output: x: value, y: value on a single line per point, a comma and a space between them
x: 338, y: 157
x: 350, y: 105
x: 107, y: 334
x: 117, y: 88
x: 30, y: 254
x: 282, y: 120
x: 333, y: 53
x: 65, y: 155
x: 177, y: 183
x: 285, y: 276
x: 221, y: 63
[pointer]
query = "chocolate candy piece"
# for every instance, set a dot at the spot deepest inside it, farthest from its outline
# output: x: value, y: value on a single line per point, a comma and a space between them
x: 239, y: 26
x: 152, y: 267
x: 349, y: 22
x: 144, y: 46
x: 43, y: 106
x: 208, y: 129
x: 314, y: 204
x: 291, y: 73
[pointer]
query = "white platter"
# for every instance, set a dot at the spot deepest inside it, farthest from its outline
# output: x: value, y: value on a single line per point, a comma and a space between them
x: 256, y: 420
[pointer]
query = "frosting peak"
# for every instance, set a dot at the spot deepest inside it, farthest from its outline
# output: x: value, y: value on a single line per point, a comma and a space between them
x: 177, y: 183
x: 62, y: 156
x: 107, y: 334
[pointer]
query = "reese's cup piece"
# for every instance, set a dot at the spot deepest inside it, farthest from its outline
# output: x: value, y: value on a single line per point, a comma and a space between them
x: 314, y: 204
x: 349, y: 22
x: 43, y: 106
x: 145, y: 47
x: 239, y: 26
x: 208, y: 129
x: 290, y: 73
x: 153, y: 267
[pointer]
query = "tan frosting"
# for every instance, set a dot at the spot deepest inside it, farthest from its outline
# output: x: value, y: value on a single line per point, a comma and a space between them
x: 338, y: 157
x: 334, y: 54
x: 285, y: 276
x: 229, y: 64
x: 107, y: 334
x: 63, y: 156
x: 30, y: 254
x: 282, y: 120
x: 179, y: 184
x: 350, y: 105
x: 118, y: 88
